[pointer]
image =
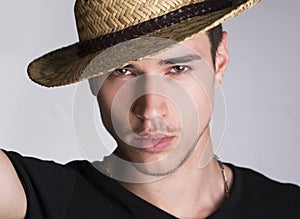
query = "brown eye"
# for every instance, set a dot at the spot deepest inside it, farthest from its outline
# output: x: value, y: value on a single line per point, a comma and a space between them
x: 122, y: 72
x: 179, y: 69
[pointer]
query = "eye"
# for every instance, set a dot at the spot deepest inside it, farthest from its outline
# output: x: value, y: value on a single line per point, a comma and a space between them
x: 179, y: 69
x: 120, y: 72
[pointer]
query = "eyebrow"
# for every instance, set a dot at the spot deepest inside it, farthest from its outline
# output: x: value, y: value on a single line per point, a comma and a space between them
x: 176, y: 60
x: 181, y: 59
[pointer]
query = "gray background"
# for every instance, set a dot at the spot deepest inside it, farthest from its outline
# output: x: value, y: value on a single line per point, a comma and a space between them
x: 260, y: 86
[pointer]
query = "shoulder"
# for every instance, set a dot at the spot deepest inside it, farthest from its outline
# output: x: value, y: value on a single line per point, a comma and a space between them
x: 46, y: 183
x: 255, y: 181
x: 259, y: 193
x: 35, y: 171
x: 43, y: 170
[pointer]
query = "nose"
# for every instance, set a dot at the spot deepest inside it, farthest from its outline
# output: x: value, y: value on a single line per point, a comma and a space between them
x: 152, y: 104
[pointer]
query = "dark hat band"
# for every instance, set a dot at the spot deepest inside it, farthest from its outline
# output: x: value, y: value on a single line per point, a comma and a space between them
x: 150, y: 26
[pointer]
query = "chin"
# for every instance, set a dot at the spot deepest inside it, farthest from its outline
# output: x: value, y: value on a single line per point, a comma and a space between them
x: 160, y: 164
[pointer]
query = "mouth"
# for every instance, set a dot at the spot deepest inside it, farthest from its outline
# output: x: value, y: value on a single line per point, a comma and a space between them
x: 153, y: 143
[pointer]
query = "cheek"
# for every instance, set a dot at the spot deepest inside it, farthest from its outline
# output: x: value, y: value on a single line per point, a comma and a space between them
x: 105, y: 113
x: 203, y: 101
x: 108, y: 93
x: 104, y: 105
x: 105, y: 100
x: 114, y: 105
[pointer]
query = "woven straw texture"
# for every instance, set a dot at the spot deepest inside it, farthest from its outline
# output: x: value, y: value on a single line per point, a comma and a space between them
x: 96, y: 18
x: 99, y: 17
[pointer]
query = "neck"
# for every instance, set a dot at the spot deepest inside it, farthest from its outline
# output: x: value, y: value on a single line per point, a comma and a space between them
x: 196, y: 189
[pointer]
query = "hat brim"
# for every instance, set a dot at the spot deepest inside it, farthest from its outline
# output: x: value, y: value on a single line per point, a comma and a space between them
x: 64, y: 66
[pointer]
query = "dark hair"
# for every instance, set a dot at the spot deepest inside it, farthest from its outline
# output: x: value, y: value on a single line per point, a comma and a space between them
x: 215, y: 37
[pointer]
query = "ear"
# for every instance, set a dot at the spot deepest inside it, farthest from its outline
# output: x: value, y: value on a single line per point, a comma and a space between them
x: 222, y: 59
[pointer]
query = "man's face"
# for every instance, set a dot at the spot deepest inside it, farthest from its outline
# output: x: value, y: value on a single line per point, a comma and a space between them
x: 158, y: 108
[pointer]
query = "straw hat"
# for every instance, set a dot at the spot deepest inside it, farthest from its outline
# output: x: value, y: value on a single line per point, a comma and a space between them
x: 117, y: 32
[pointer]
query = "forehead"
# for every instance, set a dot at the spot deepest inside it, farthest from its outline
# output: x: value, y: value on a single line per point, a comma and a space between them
x: 125, y: 53
x: 198, y: 45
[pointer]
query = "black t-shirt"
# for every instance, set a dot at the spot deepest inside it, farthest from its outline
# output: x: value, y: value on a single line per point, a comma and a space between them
x: 78, y: 190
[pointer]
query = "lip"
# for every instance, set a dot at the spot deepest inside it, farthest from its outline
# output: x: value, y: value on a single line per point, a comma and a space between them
x: 153, y: 143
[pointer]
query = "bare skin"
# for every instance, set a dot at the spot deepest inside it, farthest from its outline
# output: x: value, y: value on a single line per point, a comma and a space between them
x: 188, y: 192
x: 12, y: 199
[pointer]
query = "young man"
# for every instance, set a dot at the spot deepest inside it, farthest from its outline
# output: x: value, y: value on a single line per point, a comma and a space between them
x: 153, y: 67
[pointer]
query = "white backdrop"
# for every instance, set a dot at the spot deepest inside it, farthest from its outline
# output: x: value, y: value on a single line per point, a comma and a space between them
x: 260, y: 86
